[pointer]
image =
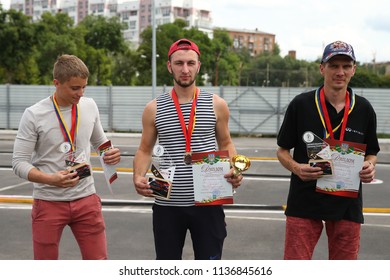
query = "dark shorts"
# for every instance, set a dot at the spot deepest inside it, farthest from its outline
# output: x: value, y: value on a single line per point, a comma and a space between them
x: 205, y: 223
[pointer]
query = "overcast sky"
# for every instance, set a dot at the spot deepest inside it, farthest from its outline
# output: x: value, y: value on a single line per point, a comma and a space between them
x: 306, y: 26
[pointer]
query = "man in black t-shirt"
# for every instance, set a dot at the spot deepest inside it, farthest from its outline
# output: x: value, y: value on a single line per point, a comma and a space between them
x: 332, y: 111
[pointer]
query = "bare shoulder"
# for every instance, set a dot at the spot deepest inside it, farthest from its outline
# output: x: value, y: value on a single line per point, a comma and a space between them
x: 219, y: 102
x: 152, y: 104
x: 151, y: 107
x: 221, y: 108
x: 149, y: 113
x: 217, y: 98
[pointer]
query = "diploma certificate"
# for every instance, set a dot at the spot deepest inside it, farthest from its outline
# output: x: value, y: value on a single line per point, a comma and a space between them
x: 347, y: 158
x: 210, y: 186
x: 109, y: 170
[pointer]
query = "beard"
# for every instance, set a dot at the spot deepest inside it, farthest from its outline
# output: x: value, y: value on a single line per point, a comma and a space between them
x: 181, y: 83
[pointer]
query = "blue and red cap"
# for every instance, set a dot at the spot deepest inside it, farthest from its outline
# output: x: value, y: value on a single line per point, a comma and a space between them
x: 337, y: 48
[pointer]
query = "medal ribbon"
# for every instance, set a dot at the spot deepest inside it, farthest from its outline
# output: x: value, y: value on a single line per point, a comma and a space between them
x: 187, y: 130
x: 69, y: 136
x: 324, y: 115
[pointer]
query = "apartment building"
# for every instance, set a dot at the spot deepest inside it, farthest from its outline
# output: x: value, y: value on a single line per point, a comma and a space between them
x: 255, y: 41
x: 136, y: 14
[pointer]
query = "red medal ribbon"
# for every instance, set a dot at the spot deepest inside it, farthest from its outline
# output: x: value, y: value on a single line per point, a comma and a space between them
x: 68, y: 136
x: 327, y: 119
x: 187, y: 131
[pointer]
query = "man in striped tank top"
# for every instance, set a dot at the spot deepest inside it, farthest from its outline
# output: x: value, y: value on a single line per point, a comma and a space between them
x: 184, y: 120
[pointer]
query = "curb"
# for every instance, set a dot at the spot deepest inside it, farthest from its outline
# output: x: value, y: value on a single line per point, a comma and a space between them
x: 117, y: 202
x: 137, y: 203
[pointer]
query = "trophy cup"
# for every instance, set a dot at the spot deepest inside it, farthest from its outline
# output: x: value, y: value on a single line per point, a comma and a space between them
x: 240, y: 164
x: 163, y: 170
x: 75, y: 161
x: 318, y: 152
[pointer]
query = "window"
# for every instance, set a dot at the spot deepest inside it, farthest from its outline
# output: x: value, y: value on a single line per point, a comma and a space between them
x: 165, y: 11
x: 125, y: 15
x: 113, y: 8
x: 132, y: 24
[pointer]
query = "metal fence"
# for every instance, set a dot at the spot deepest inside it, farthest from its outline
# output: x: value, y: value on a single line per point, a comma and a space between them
x: 253, y: 110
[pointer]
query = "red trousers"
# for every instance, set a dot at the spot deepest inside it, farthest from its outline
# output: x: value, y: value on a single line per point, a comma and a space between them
x: 302, y: 236
x: 83, y: 216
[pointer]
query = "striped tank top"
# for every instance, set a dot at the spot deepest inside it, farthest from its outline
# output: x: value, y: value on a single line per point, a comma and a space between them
x: 171, y: 137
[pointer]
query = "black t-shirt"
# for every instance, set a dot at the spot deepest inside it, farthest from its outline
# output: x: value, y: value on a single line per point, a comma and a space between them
x: 301, y: 116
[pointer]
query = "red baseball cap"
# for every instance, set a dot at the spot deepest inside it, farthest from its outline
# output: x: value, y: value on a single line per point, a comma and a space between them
x: 183, y: 44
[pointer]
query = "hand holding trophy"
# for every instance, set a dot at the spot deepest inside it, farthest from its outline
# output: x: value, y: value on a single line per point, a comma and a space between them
x: 240, y: 164
x: 163, y: 171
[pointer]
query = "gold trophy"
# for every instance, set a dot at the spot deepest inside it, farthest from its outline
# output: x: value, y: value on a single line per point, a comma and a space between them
x: 240, y: 164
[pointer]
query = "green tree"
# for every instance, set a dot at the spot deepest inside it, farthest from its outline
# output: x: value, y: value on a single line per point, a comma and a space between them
x: 55, y: 36
x: 269, y: 69
x: 28, y: 51
x: 105, y: 37
x: 104, y: 33
x: 124, y: 69
x: 166, y: 34
x: 364, y: 79
x: 245, y: 58
x: 276, y: 49
x: 223, y: 61
x: 205, y: 46
x: 257, y: 73
x: 17, y: 41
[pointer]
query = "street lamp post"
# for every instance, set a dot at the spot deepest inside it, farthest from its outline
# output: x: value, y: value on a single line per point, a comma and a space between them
x: 153, y: 50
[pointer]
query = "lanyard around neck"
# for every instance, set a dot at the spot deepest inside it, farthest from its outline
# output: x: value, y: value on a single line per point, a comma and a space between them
x: 69, y: 136
x: 187, y: 130
x: 324, y: 115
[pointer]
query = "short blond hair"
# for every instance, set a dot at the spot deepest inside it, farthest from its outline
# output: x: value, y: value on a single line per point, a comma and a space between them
x: 69, y: 66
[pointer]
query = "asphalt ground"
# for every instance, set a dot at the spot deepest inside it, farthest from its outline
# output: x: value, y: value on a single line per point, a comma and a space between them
x: 255, y: 223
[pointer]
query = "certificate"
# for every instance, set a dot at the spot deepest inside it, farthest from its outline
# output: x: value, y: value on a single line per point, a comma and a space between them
x: 347, y: 159
x: 109, y: 170
x: 210, y: 186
